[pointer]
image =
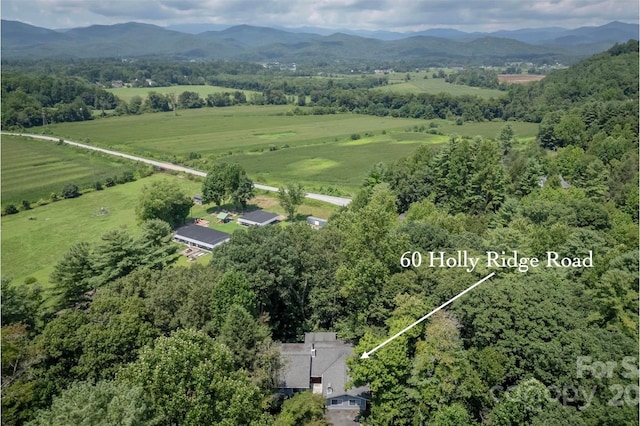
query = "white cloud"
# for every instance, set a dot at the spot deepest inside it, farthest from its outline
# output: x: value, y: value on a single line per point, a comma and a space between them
x: 399, y: 15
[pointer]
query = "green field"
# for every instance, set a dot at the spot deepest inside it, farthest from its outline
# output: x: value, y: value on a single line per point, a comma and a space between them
x: 418, y: 84
x: 274, y: 147
x: 249, y: 135
x: 126, y: 93
x: 33, y: 241
x: 33, y: 169
x: 343, y: 164
x: 523, y: 131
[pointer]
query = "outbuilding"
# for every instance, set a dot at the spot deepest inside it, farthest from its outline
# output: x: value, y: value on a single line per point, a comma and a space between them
x: 258, y: 218
x: 316, y: 222
x: 200, y: 237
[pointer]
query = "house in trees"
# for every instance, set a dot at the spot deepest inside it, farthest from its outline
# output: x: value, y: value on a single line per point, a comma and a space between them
x: 319, y: 365
x: 200, y: 237
x: 258, y: 218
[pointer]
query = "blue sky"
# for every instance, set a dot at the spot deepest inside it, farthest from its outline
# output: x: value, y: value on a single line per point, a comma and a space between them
x: 391, y: 15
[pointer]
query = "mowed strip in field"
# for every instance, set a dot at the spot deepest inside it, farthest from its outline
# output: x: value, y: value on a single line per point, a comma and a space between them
x: 33, y: 169
x: 127, y: 93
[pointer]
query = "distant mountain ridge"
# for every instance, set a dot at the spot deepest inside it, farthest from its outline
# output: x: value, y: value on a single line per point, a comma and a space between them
x: 254, y: 43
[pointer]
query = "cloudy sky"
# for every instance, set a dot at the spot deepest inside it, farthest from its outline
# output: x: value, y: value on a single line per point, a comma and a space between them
x: 393, y: 15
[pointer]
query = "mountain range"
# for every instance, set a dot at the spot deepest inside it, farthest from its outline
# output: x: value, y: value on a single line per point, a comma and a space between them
x: 262, y: 44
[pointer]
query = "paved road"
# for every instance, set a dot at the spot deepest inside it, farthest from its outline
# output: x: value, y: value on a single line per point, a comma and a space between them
x: 339, y: 201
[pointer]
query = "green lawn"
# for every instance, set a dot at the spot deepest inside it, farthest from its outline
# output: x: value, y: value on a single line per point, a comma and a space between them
x: 126, y: 93
x: 33, y: 241
x: 33, y: 169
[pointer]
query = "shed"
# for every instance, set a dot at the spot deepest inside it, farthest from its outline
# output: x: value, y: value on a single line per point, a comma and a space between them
x: 223, y: 217
x: 201, y: 237
x: 197, y: 200
x: 316, y: 222
x: 258, y: 218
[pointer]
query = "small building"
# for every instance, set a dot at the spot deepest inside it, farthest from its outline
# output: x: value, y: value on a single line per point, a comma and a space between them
x: 319, y: 365
x: 200, y: 237
x: 316, y: 222
x: 258, y: 218
x: 197, y: 200
x: 222, y: 217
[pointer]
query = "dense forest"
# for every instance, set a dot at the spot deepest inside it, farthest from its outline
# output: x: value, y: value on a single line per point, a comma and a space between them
x: 156, y: 344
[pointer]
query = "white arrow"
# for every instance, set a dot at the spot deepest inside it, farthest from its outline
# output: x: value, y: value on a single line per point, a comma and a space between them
x: 366, y: 354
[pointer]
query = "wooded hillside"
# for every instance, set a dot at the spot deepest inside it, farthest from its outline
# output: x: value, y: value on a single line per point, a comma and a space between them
x: 555, y: 343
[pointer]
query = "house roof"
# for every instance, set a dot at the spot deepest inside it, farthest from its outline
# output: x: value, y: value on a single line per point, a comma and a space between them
x: 258, y: 217
x: 202, y: 234
x: 321, y: 355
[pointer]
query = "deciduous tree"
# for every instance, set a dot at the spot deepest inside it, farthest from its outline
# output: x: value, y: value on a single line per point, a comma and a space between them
x: 163, y: 200
x: 290, y: 198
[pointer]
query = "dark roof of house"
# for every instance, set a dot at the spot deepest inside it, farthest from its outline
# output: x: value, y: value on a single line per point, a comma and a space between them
x: 259, y: 216
x: 321, y: 355
x: 201, y: 233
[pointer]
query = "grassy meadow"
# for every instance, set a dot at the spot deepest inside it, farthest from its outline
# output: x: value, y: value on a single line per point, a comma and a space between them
x: 33, y: 241
x: 419, y: 84
x: 274, y: 147
x: 33, y: 169
x: 127, y: 93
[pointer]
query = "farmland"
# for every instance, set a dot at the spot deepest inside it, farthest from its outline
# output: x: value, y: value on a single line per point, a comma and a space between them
x: 33, y: 242
x: 127, y: 93
x: 419, y: 84
x: 32, y: 170
x: 273, y: 146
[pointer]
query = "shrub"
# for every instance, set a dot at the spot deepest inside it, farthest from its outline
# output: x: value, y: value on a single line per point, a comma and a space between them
x: 10, y: 209
x: 70, y: 191
x: 355, y: 136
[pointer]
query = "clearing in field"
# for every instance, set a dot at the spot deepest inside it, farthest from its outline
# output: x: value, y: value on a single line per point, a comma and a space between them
x: 33, y: 169
x: 519, y: 78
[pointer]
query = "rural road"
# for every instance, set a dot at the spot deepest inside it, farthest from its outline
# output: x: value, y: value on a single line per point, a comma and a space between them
x: 338, y: 201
